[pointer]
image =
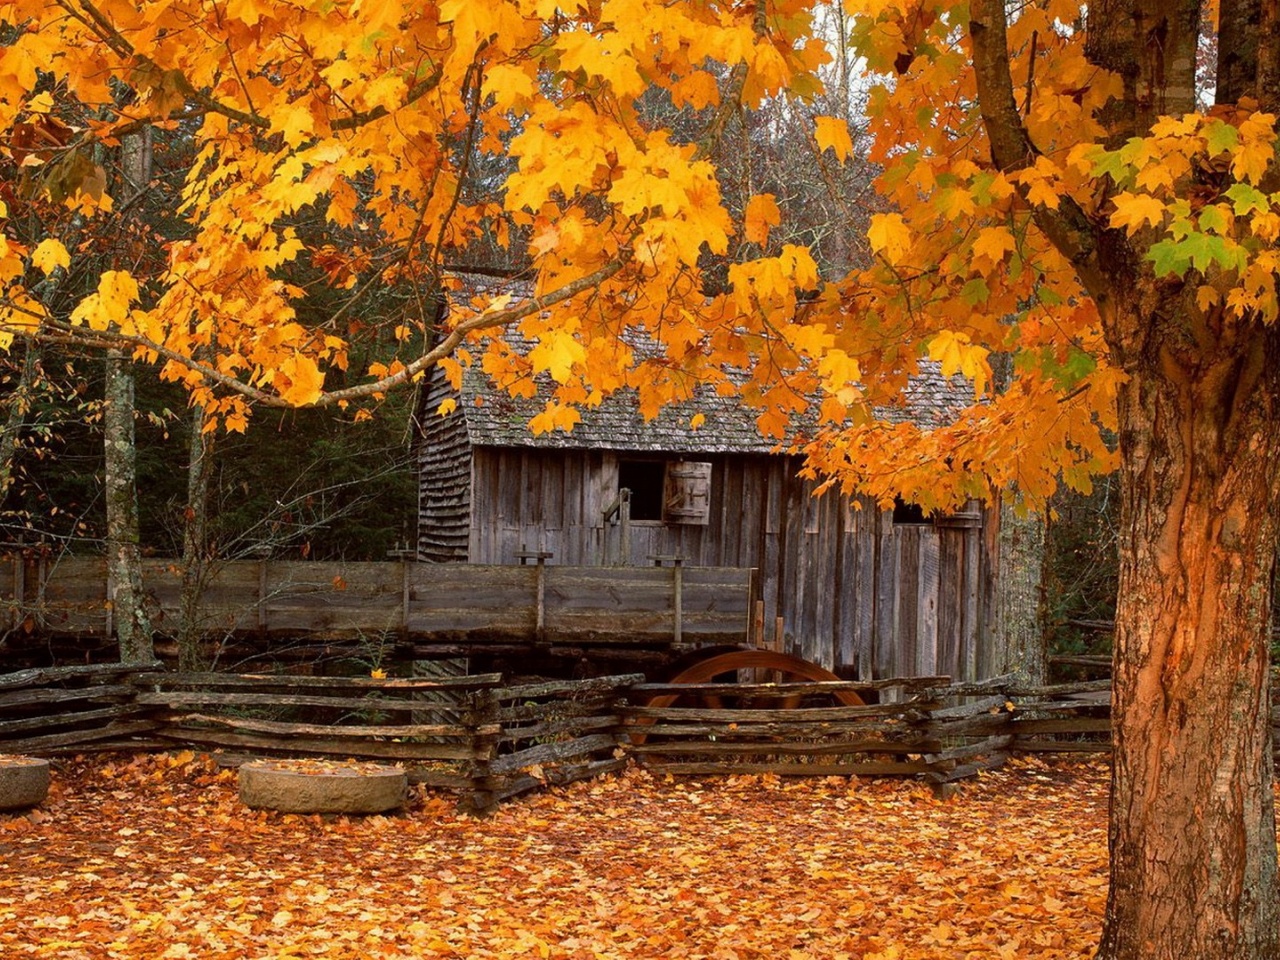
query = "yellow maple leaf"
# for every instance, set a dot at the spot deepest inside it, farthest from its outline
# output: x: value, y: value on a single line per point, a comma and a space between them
x: 510, y: 85
x: 555, y: 416
x: 833, y: 133
x: 1206, y: 297
x: 697, y: 90
x: 1135, y: 210
x: 50, y: 255
x: 295, y: 122
x: 556, y: 354
x: 1257, y: 148
x: 993, y: 243
x: 110, y: 304
x: 889, y: 236
x: 958, y: 355
x: 305, y: 381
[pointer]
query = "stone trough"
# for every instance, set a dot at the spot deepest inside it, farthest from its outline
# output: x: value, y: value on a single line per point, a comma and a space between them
x: 319, y: 786
x: 24, y: 782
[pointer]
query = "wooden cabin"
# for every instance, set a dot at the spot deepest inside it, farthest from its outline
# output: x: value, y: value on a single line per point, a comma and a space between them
x: 865, y: 592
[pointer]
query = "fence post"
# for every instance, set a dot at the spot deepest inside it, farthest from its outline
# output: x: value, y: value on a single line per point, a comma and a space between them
x: 482, y: 712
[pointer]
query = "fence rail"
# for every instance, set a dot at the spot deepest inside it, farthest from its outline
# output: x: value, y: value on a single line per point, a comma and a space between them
x: 487, y: 739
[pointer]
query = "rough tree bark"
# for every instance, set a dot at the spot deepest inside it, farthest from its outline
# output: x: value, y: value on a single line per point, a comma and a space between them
x: 1192, y: 834
x: 124, y: 558
x: 191, y: 656
x: 1018, y: 597
x: 1193, y: 846
x: 1019, y: 600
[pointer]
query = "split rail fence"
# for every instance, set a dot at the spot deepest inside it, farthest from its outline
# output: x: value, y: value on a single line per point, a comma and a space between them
x: 487, y: 740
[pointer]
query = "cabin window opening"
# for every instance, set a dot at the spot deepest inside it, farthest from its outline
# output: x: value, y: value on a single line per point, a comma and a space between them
x: 908, y: 513
x: 672, y: 491
x: 646, y: 480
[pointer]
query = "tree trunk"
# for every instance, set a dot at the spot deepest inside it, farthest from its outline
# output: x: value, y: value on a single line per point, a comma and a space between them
x: 124, y: 559
x: 16, y: 416
x: 1193, y: 844
x: 191, y: 656
x: 1020, y: 646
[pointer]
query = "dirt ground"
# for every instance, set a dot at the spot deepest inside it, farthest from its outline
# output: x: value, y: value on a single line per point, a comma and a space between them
x: 155, y: 857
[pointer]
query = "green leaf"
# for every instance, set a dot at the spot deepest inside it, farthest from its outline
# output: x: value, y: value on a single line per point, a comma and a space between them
x: 1170, y: 258
x: 1108, y: 163
x: 1079, y: 364
x: 975, y: 292
x: 1048, y: 296
x: 1212, y: 219
x: 1220, y: 137
x: 1245, y: 199
x: 982, y: 187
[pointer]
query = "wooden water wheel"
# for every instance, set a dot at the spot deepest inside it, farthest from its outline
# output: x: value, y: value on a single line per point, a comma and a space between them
x: 705, y: 691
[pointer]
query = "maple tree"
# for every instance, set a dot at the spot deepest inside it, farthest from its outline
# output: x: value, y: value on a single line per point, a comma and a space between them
x: 1067, y: 215
x: 1066, y: 196
x: 389, y: 123
x: 155, y: 856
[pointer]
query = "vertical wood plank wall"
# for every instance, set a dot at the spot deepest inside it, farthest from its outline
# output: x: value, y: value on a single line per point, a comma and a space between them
x: 857, y: 593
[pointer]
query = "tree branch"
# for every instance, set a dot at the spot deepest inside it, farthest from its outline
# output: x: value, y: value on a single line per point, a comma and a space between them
x: 59, y: 331
x: 1069, y: 227
x: 96, y: 20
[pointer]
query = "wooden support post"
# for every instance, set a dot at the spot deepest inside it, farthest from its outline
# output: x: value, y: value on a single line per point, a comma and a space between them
x: 19, y: 589
x: 540, y: 589
x: 540, y: 617
x: 757, y: 626
x: 624, y: 524
x: 779, y: 645
x: 677, y: 575
x: 677, y: 592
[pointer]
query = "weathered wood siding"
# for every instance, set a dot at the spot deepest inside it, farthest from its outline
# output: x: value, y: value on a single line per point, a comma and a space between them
x: 856, y: 592
x: 444, y: 479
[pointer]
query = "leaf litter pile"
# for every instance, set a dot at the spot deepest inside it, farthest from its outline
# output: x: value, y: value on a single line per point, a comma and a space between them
x: 153, y: 856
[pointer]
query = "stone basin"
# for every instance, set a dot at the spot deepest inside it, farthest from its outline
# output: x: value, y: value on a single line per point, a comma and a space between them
x: 24, y: 782
x: 321, y: 786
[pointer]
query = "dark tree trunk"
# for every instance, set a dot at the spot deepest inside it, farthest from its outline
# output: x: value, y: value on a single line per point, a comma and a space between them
x: 16, y: 416
x: 1238, y: 27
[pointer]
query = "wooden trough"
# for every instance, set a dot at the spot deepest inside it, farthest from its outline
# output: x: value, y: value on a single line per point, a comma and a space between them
x: 421, y: 610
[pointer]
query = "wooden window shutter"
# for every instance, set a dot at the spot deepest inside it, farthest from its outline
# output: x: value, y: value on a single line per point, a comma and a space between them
x: 687, y: 498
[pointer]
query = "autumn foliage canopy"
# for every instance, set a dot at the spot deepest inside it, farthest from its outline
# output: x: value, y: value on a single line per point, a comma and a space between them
x: 399, y: 143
